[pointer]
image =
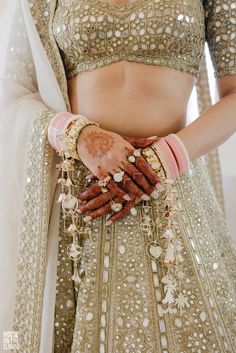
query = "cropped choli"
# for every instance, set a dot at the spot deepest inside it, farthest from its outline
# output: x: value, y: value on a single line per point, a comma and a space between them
x: 172, y: 33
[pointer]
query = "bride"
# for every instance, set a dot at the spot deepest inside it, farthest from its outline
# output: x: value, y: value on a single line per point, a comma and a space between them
x: 112, y: 236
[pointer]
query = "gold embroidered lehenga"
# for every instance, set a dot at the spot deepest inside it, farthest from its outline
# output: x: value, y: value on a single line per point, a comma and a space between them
x: 119, y: 303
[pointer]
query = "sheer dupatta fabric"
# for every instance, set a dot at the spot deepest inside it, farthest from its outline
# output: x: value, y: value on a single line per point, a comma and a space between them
x: 29, y: 216
x: 32, y: 89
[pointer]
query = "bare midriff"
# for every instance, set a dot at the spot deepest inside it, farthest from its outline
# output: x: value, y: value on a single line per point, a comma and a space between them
x: 133, y: 99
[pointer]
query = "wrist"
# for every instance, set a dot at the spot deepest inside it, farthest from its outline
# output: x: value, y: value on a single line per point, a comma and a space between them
x: 64, y: 130
x: 57, y: 127
x: 86, y: 129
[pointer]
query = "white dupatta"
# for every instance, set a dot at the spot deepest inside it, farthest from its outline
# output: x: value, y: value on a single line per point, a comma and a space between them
x: 32, y: 88
x: 28, y: 88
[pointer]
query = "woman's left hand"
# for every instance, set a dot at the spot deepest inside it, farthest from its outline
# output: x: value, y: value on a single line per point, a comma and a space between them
x: 96, y: 204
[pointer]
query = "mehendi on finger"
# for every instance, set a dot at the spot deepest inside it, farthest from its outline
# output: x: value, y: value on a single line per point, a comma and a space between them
x: 139, y: 142
x: 104, y: 209
x: 146, y: 169
x: 115, y: 189
x: 127, y: 207
x: 95, y: 202
x: 92, y: 191
x: 138, y: 177
x: 129, y: 186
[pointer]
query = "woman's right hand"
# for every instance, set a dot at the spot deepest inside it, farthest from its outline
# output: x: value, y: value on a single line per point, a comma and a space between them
x: 105, y: 153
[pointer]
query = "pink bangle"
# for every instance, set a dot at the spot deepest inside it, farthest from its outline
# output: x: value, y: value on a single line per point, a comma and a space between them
x: 167, y: 158
x: 179, y: 152
x: 55, y: 127
x: 173, y: 155
x: 58, y: 126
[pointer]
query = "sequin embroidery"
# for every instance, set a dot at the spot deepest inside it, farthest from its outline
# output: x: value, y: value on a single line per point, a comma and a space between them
x: 93, y: 33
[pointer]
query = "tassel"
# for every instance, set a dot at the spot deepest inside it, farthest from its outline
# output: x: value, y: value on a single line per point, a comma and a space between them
x: 170, y: 254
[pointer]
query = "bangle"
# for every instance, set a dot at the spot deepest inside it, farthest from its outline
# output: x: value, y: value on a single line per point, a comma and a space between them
x: 173, y: 155
x: 71, y: 135
x: 167, y: 158
x: 154, y: 161
x: 180, y: 151
x: 57, y: 127
x: 64, y: 130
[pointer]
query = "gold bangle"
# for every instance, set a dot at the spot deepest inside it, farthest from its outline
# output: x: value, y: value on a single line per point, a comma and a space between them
x: 71, y: 135
x: 157, y: 153
x: 154, y: 161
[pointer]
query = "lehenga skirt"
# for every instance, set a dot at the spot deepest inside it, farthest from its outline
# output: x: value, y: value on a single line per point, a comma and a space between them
x: 127, y: 304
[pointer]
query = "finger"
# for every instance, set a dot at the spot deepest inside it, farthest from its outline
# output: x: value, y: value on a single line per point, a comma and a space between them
x: 90, y: 177
x: 132, y: 189
x: 138, y: 177
x: 127, y: 207
x: 95, y: 202
x: 116, y: 190
x: 103, y: 209
x: 145, y: 168
x: 92, y: 191
x: 139, y: 142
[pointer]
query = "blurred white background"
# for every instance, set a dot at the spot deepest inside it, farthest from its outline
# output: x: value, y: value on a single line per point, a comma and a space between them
x: 227, y: 151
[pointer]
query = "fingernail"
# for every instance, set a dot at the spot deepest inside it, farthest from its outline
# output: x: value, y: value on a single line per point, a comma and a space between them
x: 133, y: 211
x: 155, y: 194
x: 145, y: 197
x: 89, y: 176
x: 108, y: 223
x: 87, y: 218
x: 159, y: 187
x: 127, y: 197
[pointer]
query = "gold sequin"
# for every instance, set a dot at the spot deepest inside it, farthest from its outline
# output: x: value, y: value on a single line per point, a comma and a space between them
x: 95, y: 33
x: 119, y: 303
x: 151, y: 32
x: 220, y: 17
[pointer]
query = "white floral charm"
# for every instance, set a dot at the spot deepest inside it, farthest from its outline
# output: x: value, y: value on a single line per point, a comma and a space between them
x: 72, y: 228
x: 168, y: 234
x: 181, y: 301
x: 76, y: 277
x: 61, y: 197
x: 170, y: 254
x: 169, y: 289
x: 165, y: 246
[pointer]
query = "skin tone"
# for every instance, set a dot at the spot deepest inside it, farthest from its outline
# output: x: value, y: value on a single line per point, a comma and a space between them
x: 133, y: 99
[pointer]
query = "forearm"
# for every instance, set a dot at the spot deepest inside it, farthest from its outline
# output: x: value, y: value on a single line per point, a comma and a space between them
x: 210, y: 129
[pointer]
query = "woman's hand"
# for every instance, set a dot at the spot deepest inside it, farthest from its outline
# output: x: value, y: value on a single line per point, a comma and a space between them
x: 105, y: 153
x: 95, y: 203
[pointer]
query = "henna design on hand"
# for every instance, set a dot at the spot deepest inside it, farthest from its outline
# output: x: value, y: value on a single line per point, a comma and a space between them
x: 116, y: 190
x: 146, y: 169
x: 95, y: 189
x: 90, y: 192
x: 98, y: 143
x: 105, y: 208
x: 127, y: 207
x: 138, y: 177
x: 139, y: 142
x: 131, y: 188
x: 96, y: 202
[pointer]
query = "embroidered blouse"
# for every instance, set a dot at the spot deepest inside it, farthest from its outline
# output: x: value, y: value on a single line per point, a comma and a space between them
x: 172, y: 33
